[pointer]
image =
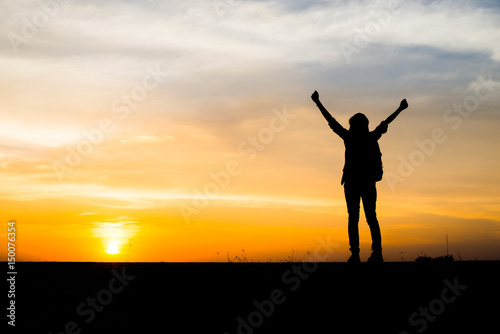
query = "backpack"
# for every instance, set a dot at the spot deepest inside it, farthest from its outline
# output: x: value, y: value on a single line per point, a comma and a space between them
x: 368, y: 162
x: 376, y: 163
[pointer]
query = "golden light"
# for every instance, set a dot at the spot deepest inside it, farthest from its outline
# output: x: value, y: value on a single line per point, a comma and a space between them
x: 114, y: 233
x: 113, y: 248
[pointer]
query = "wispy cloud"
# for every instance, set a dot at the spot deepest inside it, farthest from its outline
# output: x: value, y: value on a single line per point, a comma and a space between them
x: 115, y: 232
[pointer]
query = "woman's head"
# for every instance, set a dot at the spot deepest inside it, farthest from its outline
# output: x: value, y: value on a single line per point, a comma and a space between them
x: 358, y: 123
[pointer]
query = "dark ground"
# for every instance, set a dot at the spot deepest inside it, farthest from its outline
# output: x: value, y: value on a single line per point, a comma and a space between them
x: 460, y: 297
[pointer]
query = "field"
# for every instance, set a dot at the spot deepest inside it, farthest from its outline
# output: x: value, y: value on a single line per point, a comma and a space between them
x: 248, y: 298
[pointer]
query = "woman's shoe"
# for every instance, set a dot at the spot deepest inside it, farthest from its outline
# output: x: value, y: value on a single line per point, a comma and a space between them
x: 376, y: 257
x: 354, y: 258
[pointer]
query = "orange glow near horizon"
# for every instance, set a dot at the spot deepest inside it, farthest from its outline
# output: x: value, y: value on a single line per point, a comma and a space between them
x: 158, y: 203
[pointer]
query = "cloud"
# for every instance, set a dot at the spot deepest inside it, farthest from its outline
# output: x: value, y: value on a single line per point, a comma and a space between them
x: 116, y: 231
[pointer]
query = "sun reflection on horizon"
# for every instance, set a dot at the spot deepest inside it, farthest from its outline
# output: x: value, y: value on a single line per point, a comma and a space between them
x: 114, y: 233
x: 113, y: 248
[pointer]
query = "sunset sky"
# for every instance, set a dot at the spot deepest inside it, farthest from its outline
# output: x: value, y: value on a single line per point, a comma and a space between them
x: 184, y: 130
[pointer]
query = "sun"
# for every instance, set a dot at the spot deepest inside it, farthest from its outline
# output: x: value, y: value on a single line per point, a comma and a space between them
x: 112, y: 248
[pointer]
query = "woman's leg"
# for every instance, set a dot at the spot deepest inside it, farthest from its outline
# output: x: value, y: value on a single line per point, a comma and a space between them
x: 369, y: 197
x: 352, y: 198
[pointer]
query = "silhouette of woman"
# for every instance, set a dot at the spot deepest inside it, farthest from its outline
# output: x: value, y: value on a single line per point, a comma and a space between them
x: 362, y: 169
